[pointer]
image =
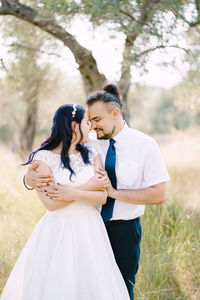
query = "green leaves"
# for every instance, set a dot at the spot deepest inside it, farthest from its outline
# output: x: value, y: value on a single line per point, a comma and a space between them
x: 62, y: 7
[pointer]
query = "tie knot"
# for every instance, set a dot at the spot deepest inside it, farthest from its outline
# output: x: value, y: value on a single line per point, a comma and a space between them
x: 112, y: 142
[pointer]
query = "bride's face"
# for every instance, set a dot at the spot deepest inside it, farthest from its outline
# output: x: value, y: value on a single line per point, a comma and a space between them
x: 85, y: 128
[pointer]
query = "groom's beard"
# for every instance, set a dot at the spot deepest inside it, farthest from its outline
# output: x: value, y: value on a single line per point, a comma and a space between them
x: 106, y: 136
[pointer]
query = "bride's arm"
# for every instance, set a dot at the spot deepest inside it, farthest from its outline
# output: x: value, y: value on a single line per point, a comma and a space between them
x: 99, y: 181
x: 68, y: 193
x: 93, y: 192
x: 40, y: 180
x: 49, y: 203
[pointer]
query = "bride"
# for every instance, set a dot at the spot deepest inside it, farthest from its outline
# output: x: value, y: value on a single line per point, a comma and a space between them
x: 68, y: 256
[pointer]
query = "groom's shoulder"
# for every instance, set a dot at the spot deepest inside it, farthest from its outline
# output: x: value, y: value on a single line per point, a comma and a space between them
x: 139, y: 136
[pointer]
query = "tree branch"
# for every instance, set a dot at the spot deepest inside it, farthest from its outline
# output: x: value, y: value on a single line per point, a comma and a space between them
x: 124, y: 82
x: 13, y: 7
x: 92, y: 78
x: 34, y: 50
x: 127, y: 14
x: 182, y: 17
x: 3, y: 65
x: 146, y: 8
x: 178, y: 15
x: 194, y: 24
x: 145, y: 52
x: 132, y: 18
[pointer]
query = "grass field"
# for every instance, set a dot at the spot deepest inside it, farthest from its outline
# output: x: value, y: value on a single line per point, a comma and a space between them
x: 170, y: 248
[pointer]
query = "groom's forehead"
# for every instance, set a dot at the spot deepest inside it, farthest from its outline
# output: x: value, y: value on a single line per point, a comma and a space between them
x: 96, y: 109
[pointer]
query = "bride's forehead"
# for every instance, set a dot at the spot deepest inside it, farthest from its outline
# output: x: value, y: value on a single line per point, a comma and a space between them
x: 86, y: 114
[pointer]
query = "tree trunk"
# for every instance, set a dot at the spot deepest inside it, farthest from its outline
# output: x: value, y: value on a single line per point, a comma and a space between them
x: 125, y: 80
x: 28, y: 132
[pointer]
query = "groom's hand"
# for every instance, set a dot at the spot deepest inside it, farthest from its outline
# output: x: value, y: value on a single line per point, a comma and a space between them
x: 38, y: 181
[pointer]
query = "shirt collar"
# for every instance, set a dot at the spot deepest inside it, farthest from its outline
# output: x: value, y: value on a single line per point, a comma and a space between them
x: 122, y: 132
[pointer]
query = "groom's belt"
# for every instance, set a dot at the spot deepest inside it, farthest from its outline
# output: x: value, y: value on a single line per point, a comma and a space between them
x: 113, y: 222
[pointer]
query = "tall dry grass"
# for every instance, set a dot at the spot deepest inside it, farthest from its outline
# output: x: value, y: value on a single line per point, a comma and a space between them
x: 19, y: 211
x: 170, y: 248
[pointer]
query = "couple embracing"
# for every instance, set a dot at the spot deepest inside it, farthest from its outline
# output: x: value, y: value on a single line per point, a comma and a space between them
x: 87, y: 245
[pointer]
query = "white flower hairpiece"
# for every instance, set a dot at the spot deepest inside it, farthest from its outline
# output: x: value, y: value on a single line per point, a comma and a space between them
x: 74, y: 110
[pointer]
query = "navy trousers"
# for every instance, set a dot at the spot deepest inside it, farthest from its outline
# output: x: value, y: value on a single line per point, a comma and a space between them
x: 125, y: 239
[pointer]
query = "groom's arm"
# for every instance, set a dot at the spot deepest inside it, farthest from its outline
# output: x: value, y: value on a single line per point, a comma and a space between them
x: 154, y: 194
x: 48, y: 202
x: 39, y: 176
x: 93, y: 192
x: 38, y: 180
x: 41, y: 180
x: 53, y: 196
x: 153, y: 181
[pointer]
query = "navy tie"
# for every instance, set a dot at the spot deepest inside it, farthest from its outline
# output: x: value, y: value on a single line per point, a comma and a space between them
x: 107, y: 208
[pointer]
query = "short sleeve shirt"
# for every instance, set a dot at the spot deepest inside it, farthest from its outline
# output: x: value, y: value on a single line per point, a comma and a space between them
x: 139, y: 164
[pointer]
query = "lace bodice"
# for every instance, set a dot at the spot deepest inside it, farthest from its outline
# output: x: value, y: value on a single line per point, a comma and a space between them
x: 62, y: 175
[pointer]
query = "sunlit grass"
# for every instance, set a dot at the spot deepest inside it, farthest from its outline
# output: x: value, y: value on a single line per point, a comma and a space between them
x: 19, y: 211
x: 170, y: 248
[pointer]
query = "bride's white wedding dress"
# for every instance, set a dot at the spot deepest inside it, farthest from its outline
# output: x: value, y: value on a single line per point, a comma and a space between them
x: 68, y: 256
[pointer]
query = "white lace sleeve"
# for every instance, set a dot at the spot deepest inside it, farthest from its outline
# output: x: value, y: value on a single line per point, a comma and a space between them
x: 47, y: 157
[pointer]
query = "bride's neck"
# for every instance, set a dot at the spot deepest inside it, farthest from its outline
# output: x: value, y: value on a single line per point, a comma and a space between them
x: 72, y: 149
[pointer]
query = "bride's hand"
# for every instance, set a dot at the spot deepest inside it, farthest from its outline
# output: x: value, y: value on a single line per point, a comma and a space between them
x: 99, y: 181
x: 59, y: 192
x: 108, y: 185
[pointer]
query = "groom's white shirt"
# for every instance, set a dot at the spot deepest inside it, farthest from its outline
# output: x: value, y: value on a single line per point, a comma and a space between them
x: 139, y: 164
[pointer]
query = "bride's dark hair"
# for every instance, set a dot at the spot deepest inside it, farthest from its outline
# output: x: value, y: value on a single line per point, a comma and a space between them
x: 61, y: 131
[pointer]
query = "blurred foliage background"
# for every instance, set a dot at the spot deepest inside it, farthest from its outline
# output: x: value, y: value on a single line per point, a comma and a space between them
x: 40, y: 43
x: 37, y: 37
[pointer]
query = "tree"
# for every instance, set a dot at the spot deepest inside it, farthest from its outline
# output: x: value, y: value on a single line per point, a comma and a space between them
x: 26, y: 77
x: 147, y: 25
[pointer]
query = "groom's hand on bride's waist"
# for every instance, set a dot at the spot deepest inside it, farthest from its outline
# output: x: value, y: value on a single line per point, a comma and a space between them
x: 38, y: 181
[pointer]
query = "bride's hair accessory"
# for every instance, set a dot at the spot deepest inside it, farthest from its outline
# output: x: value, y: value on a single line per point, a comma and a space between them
x: 74, y: 111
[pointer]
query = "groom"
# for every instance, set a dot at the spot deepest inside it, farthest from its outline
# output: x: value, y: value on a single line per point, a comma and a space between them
x: 137, y: 177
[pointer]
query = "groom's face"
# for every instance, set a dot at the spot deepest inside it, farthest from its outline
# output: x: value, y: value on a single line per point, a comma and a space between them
x: 102, y: 120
